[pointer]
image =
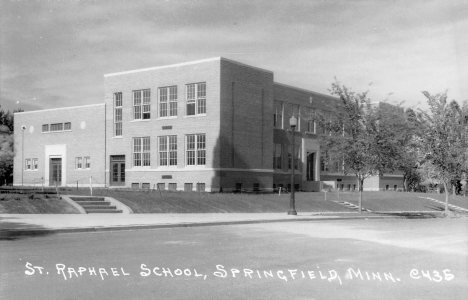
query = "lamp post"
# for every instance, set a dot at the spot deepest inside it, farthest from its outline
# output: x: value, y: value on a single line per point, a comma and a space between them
x: 22, y: 153
x: 292, y: 208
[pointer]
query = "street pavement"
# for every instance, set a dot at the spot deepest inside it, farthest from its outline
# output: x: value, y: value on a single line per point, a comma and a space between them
x: 341, y: 259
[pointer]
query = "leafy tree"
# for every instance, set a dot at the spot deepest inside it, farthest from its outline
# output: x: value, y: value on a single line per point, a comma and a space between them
x: 409, y: 150
x: 444, y: 142
x: 6, y: 145
x: 362, y: 136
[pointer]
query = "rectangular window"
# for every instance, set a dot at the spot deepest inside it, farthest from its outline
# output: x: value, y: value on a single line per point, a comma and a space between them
x: 188, y: 187
x: 196, y: 99
x: 200, y: 187
x: 118, y: 114
x: 196, y: 149
x: 296, y: 157
x: 87, y: 162
x: 173, y: 187
x: 278, y: 114
x: 141, y: 105
x: 78, y: 163
x: 56, y: 127
x: 278, y: 156
x: 45, y: 128
x: 34, y: 163
x: 145, y: 186
x: 135, y: 185
x: 161, y: 186
x: 168, y: 150
x: 168, y: 102
x: 67, y: 126
x: 323, y: 165
x: 141, y: 152
x: 296, y: 112
x: 27, y: 165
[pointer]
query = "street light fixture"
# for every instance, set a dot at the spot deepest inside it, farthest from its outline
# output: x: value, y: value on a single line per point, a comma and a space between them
x: 292, y: 208
x: 23, y: 127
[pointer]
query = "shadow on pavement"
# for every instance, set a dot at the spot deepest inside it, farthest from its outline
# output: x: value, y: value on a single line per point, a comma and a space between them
x: 16, y: 230
x: 412, y: 215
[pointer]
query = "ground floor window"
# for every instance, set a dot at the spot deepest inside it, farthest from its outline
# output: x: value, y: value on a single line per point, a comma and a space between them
x: 172, y: 186
x: 188, y: 187
x: 278, y: 156
x: 141, y: 152
x: 200, y: 187
x: 196, y: 149
x: 168, y: 150
x: 78, y: 163
x: 27, y: 165
x: 34, y: 163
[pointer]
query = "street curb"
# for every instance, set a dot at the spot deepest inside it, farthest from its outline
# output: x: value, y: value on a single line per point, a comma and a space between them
x: 11, y: 233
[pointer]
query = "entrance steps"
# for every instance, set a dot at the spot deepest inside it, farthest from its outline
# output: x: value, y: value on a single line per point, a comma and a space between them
x: 93, y: 205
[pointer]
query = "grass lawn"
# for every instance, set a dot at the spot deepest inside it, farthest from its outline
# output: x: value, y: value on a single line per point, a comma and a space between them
x: 181, y: 202
x: 34, y: 204
x: 399, y: 201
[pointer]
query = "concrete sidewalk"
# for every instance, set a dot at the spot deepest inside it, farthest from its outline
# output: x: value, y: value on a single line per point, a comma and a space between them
x: 39, y: 224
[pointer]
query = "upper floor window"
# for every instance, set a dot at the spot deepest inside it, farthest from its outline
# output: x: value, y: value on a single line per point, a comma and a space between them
x: 310, y: 118
x: 141, y: 152
x: 56, y: 127
x: 278, y: 114
x: 196, y: 149
x: 168, y: 150
x: 168, y: 102
x: 296, y: 112
x: 141, y: 105
x: 196, y: 99
x: 117, y: 114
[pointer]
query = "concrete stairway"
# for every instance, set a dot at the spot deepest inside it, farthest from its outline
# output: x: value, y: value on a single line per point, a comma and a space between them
x: 93, y: 205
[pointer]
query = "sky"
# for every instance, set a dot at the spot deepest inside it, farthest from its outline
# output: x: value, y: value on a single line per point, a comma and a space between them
x: 55, y: 53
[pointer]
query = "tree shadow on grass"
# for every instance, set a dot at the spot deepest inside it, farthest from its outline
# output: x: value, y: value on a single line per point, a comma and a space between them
x: 16, y: 230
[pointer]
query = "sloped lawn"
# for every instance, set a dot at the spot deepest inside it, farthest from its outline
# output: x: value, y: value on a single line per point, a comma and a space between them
x: 34, y: 204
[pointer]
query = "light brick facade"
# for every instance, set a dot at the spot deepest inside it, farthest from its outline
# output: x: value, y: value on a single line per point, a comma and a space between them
x: 148, y: 118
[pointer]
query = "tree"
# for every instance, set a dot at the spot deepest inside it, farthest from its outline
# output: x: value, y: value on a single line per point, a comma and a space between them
x: 409, y: 150
x: 6, y: 145
x: 362, y: 136
x: 444, y: 142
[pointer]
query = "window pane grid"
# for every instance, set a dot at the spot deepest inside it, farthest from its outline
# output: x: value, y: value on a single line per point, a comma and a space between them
x: 168, y: 149
x: 196, y: 99
x: 196, y: 153
x: 141, y: 104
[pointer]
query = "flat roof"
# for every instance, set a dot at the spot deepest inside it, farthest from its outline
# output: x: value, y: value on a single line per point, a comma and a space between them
x: 304, y: 90
x: 187, y: 64
x: 59, y: 108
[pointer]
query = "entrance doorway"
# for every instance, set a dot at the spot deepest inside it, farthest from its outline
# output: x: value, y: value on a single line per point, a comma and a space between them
x: 311, y: 166
x: 117, y: 174
x: 55, y: 171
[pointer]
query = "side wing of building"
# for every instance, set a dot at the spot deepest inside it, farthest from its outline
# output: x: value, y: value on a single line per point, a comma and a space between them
x: 63, y: 146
